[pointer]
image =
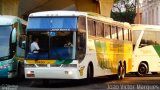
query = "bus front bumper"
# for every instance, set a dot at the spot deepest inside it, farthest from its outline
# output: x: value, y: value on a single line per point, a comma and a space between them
x: 52, y: 73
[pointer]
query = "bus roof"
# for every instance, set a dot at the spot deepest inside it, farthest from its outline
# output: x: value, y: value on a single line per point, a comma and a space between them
x: 78, y: 13
x: 9, y: 20
x: 108, y: 20
x: 58, y: 13
x: 145, y: 27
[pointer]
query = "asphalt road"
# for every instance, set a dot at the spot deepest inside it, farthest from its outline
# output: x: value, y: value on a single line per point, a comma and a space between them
x: 131, y: 82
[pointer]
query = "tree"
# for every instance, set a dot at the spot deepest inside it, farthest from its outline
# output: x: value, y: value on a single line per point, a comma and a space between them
x: 124, y: 11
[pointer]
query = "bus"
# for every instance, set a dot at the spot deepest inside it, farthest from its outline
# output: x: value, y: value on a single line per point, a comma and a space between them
x: 146, y: 54
x: 100, y: 46
x: 12, y: 39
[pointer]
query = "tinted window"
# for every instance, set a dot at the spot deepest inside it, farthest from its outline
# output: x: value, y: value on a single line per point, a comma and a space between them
x: 91, y: 27
x: 5, y: 32
x: 100, y: 29
x: 107, y: 30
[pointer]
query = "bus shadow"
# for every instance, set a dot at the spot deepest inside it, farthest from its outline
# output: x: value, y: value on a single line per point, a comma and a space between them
x: 147, y: 75
x: 77, y: 83
x: 13, y: 81
x: 69, y: 83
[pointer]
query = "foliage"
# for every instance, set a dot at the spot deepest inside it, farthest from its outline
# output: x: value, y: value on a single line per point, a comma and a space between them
x: 124, y: 11
x: 124, y: 16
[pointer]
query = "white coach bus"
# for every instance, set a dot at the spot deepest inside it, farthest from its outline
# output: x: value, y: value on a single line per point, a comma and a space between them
x: 98, y: 46
x: 146, y: 54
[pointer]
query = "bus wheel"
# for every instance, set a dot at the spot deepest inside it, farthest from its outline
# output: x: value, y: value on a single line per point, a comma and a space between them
x: 142, y: 70
x: 123, y: 71
x: 120, y: 71
x: 89, y: 72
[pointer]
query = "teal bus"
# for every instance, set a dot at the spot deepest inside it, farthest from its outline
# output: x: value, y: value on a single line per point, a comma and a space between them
x: 12, y: 43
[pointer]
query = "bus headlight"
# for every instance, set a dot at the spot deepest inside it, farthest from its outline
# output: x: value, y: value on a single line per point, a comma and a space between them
x: 69, y: 72
x: 30, y: 74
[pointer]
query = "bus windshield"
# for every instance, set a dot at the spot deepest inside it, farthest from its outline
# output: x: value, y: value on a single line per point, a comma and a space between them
x: 54, y: 45
x: 5, y: 32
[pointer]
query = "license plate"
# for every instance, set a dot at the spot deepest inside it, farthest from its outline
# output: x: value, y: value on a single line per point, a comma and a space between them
x: 30, y: 75
x: 40, y: 61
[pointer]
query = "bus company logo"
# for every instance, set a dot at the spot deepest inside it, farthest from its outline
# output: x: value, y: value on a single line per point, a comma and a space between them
x: 81, y: 71
x: 9, y: 87
x: 61, y: 29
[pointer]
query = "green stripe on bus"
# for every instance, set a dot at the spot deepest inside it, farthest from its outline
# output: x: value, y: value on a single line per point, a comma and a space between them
x: 100, y: 44
x: 157, y: 49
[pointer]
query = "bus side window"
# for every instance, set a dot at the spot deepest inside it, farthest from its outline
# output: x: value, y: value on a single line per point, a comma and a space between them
x: 81, y: 45
x: 22, y: 37
x: 23, y: 31
x: 114, y: 32
x: 107, y: 31
x: 99, y: 29
x: 120, y: 33
x: 82, y: 23
x: 91, y: 27
x: 21, y: 40
x: 21, y: 46
x: 126, y: 34
x: 13, y: 45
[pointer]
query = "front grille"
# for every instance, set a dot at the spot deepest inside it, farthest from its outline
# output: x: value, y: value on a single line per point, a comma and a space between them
x: 52, y: 65
x: 42, y: 65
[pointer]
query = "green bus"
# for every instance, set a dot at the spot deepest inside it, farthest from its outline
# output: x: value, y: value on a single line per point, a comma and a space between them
x: 12, y: 43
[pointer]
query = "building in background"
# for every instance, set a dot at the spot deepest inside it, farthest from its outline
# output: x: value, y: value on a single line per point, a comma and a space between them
x: 151, y: 12
x: 139, y: 11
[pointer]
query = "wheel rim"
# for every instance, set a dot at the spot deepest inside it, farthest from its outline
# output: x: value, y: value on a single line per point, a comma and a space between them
x: 123, y: 72
x: 142, y: 69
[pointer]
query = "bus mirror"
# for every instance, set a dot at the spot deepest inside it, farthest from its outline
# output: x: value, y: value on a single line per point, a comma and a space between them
x: 13, y: 36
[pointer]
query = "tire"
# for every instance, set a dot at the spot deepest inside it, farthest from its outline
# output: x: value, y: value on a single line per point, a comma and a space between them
x: 89, y: 73
x: 120, y: 71
x: 142, y: 70
x: 123, y: 72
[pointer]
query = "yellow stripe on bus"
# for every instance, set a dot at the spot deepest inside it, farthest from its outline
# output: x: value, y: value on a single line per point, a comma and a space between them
x: 40, y: 61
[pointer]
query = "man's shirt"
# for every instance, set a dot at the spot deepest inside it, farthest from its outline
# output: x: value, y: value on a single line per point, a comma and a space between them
x: 34, y: 47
